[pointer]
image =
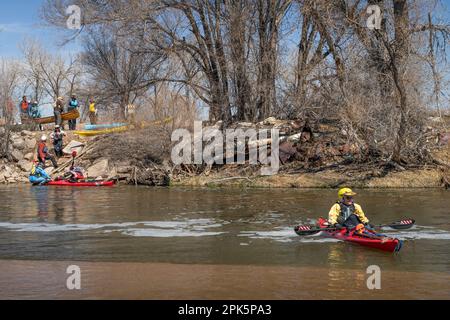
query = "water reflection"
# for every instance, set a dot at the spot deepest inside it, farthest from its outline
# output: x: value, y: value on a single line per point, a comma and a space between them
x: 40, y: 194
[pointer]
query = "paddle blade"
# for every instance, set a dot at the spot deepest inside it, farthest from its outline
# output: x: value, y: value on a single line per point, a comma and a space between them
x: 403, y: 224
x: 306, y: 230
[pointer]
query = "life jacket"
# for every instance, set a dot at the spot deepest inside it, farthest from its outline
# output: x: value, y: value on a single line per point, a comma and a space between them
x: 346, y: 212
x: 42, y: 150
x: 24, y: 106
x: 33, y: 169
x: 77, y: 174
x: 73, y: 104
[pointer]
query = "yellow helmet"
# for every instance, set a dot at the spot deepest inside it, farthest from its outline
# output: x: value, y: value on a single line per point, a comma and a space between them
x: 345, y: 192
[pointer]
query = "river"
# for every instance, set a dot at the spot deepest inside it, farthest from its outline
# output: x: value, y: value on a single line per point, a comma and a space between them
x: 158, y: 243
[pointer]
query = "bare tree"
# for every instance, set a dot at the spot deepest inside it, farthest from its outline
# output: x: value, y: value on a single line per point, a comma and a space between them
x: 120, y: 70
x: 9, y: 81
x: 238, y: 58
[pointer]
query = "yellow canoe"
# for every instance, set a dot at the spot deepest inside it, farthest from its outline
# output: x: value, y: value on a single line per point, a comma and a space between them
x: 71, y: 115
x: 142, y: 125
x: 86, y: 133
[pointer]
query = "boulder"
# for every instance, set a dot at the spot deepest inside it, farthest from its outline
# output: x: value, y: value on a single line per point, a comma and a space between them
x: 112, y: 174
x: 19, y: 144
x: 29, y: 156
x: 25, y: 133
x: 25, y: 165
x: 30, y: 144
x: 99, y: 169
x: 2, y: 131
x: 124, y: 169
x: 2, y: 177
x: 24, y: 179
x: 17, y: 155
x: 73, y: 146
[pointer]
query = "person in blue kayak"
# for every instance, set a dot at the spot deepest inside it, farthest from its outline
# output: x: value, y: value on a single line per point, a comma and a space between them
x: 38, y: 176
x: 346, y: 213
x: 73, y: 104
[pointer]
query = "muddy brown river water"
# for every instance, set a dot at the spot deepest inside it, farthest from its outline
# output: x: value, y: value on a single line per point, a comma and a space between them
x: 144, y: 243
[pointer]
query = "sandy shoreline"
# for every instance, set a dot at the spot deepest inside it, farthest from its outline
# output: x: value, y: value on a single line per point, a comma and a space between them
x: 155, y: 281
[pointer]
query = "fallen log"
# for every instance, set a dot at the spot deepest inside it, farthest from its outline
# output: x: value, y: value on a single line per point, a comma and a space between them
x: 68, y: 163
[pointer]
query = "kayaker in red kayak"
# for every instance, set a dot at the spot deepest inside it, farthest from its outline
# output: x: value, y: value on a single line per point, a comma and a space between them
x: 346, y: 213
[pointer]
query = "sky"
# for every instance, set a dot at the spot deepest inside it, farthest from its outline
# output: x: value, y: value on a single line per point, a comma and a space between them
x: 19, y: 20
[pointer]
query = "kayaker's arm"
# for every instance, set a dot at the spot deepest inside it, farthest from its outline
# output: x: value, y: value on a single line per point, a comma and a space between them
x: 334, y: 214
x: 360, y: 213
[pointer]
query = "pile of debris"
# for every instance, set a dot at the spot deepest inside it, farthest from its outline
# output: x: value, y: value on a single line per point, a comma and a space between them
x: 299, y: 142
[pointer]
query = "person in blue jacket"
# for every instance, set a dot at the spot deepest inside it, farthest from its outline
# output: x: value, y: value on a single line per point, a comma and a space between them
x: 38, y: 176
x: 73, y: 104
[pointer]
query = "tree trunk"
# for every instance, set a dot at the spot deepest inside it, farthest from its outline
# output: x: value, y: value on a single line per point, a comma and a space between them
x: 401, y: 20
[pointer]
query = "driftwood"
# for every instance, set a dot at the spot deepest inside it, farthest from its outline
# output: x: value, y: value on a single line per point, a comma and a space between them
x: 68, y: 163
x: 441, y: 163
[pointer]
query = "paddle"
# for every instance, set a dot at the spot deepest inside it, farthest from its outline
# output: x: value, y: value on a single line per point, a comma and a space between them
x: 74, y: 155
x: 312, y: 230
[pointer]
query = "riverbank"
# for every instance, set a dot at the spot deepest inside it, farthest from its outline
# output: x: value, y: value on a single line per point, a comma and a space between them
x: 411, y: 178
x: 319, y: 158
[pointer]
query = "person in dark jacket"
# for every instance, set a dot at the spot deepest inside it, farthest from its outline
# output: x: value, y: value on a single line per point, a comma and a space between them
x: 58, y: 110
x: 73, y: 104
x: 58, y: 143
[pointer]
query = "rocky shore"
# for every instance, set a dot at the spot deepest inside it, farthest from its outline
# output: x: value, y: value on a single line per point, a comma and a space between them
x: 311, y: 157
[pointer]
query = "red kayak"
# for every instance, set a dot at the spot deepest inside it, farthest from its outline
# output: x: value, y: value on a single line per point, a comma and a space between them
x: 65, y: 183
x: 369, y: 239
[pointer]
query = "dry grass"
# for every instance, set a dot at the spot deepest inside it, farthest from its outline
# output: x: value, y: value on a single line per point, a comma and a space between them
x: 424, y: 178
x: 139, y: 148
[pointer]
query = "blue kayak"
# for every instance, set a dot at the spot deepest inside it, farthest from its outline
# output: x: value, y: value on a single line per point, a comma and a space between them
x: 103, y: 126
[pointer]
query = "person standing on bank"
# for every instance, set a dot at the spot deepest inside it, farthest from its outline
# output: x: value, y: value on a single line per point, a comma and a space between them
x: 24, y: 107
x: 131, y: 113
x: 58, y: 110
x: 73, y: 104
x: 58, y: 143
x: 92, y: 112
